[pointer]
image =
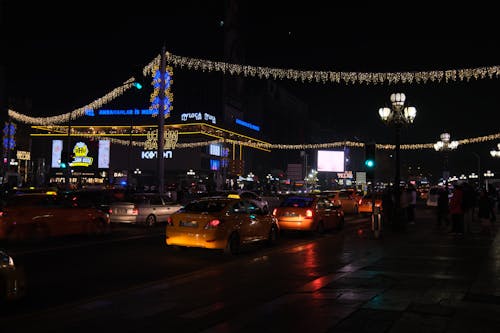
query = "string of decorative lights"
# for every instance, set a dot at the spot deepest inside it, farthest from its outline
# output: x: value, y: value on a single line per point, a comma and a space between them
x: 337, y: 144
x: 63, y: 118
x: 450, y: 75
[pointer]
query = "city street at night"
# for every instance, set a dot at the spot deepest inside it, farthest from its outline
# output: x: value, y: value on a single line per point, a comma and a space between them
x: 418, y: 280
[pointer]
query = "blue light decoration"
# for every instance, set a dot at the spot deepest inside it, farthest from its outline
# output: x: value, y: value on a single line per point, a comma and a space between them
x: 247, y: 124
x: 214, y: 165
x: 9, y: 143
x: 128, y: 112
x: 155, y: 98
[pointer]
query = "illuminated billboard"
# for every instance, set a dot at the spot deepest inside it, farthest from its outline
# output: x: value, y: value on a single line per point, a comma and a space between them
x: 103, y: 161
x: 330, y: 161
x: 57, y: 146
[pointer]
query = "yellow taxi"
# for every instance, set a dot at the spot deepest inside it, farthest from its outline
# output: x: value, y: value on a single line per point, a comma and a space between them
x: 349, y: 199
x: 224, y: 223
x: 365, y: 207
x: 309, y: 213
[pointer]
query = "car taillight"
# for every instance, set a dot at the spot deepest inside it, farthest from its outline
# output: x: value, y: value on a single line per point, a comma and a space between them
x: 360, y: 201
x: 2, y: 213
x: 170, y: 222
x: 213, y: 224
x: 110, y: 211
x: 309, y: 214
x: 135, y: 211
x: 275, y: 211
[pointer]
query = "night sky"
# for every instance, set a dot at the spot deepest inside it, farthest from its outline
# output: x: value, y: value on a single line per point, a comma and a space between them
x: 64, y: 55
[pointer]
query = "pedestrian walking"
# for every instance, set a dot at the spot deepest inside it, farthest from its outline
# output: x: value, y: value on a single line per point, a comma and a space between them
x: 468, y: 205
x: 486, y: 213
x: 443, y: 209
x: 457, y: 211
x: 411, y: 194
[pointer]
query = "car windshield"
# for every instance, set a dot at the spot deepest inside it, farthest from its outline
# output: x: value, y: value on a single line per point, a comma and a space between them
x: 299, y: 202
x: 210, y: 206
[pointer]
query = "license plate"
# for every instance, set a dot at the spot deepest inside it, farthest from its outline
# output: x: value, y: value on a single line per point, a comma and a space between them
x: 121, y: 211
x: 190, y: 224
x: 290, y: 214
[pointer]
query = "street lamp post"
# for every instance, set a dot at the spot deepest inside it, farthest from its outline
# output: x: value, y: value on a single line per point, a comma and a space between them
x: 398, y: 115
x: 487, y: 175
x: 445, y: 145
x: 495, y: 153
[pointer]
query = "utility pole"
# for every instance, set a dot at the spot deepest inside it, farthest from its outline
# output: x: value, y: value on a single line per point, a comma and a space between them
x: 68, y: 154
x: 161, y: 122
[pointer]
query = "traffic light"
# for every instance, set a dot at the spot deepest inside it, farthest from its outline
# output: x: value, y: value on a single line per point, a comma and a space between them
x: 370, y: 160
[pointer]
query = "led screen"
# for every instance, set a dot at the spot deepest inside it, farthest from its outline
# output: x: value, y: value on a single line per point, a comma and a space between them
x: 103, y: 154
x: 57, y: 146
x: 330, y: 161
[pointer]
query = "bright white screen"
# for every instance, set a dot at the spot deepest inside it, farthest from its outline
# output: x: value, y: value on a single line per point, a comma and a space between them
x: 57, y: 146
x: 103, y: 154
x: 330, y: 161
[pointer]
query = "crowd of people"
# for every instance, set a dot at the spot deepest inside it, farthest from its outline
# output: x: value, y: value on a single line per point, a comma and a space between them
x: 455, y: 212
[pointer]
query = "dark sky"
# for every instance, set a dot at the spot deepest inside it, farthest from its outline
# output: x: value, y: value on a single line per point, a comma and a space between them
x: 62, y: 55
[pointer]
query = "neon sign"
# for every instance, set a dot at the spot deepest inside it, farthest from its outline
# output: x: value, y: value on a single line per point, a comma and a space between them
x: 246, y: 124
x: 127, y: 112
x: 81, y: 159
x: 198, y: 116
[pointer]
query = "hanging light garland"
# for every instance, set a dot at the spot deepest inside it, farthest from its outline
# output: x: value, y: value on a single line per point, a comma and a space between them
x: 450, y: 75
x: 269, y: 146
x: 62, y: 118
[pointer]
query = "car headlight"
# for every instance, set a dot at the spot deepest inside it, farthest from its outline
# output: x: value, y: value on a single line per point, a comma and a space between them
x: 11, y: 262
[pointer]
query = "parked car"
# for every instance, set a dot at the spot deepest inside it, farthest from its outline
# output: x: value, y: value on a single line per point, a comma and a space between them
x: 12, y: 279
x: 309, y: 213
x: 221, y: 223
x: 37, y: 216
x: 365, y: 207
x: 146, y: 209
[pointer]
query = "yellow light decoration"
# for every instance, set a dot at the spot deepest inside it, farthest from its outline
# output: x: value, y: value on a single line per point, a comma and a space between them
x: 269, y: 146
x: 64, y: 118
x: 449, y: 75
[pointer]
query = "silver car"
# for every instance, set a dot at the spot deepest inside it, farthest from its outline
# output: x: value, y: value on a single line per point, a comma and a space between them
x: 146, y: 209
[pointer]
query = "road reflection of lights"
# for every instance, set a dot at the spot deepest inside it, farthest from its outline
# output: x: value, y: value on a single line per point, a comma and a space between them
x: 258, y: 259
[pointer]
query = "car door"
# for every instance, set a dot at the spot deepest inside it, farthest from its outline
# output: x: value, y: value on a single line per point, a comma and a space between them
x: 323, y: 211
x: 247, y: 225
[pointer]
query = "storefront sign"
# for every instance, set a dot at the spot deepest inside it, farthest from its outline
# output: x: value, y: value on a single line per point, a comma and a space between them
x: 23, y: 155
x: 81, y: 159
x: 152, y: 154
x: 198, y: 116
x: 169, y: 140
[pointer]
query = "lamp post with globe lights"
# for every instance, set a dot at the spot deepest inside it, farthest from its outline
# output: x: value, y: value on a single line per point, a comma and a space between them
x: 495, y: 153
x: 445, y: 145
x: 398, y: 115
x: 487, y: 175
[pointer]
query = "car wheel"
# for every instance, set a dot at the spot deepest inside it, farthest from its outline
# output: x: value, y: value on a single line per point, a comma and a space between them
x: 341, y: 224
x: 273, y: 236
x: 321, y: 228
x: 39, y: 233
x: 233, y: 244
x: 101, y: 228
x: 150, y: 220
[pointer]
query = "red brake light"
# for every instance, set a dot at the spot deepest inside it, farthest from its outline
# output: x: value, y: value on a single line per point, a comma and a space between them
x: 2, y: 213
x: 170, y: 222
x: 309, y: 213
x: 213, y: 224
x: 360, y: 201
x: 275, y: 211
x: 110, y: 211
x: 135, y: 211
